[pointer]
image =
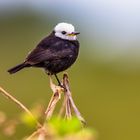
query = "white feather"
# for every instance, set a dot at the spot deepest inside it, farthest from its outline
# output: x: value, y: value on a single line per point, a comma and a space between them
x: 68, y: 28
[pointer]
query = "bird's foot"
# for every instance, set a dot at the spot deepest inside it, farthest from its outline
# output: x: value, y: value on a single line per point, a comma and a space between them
x: 62, y: 86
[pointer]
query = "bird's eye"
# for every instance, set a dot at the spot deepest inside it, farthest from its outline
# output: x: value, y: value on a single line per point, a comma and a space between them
x: 63, y: 32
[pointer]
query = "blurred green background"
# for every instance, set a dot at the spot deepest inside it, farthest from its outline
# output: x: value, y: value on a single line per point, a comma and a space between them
x: 105, y: 80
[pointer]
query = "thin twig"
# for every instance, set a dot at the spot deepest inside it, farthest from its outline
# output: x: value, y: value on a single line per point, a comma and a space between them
x: 68, y: 109
x: 39, y: 134
x: 10, y: 97
x: 33, y: 135
x: 63, y: 106
x: 78, y: 114
x: 42, y: 134
x: 67, y: 104
x: 54, y: 99
x: 68, y: 93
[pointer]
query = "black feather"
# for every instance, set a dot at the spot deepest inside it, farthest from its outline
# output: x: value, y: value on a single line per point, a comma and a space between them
x: 17, y: 68
x: 52, y: 53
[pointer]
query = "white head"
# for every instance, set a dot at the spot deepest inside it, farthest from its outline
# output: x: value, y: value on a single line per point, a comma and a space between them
x: 65, y: 31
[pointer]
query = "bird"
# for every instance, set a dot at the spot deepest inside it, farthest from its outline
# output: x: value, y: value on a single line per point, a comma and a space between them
x: 55, y: 53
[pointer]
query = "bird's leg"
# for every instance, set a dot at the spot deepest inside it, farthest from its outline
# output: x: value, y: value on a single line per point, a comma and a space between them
x: 59, y: 83
x: 50, y: 74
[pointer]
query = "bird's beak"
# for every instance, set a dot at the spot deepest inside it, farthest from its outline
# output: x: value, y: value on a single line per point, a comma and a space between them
x: 73, y: 33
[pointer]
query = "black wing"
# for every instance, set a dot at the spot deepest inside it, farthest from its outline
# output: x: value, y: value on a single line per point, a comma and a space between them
x: 49, y: 49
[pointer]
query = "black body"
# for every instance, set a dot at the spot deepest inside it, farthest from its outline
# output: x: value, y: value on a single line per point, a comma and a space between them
x: 52, y: 53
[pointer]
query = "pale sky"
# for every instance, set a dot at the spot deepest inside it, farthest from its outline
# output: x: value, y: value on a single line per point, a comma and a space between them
x: 114, y: 15
x: 113, y: 20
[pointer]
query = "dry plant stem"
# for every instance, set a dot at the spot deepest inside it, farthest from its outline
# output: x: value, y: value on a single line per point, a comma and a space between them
x: 39, y: 134
x: 42, y: 134
x: 68, y: 108
x: 10, y: 97
x: 49, y: 111
x: 33, y: 135
x: 67, y: 104
x: 62, y: 107
x: 54, y: 99
x: 70, y: 99
x: 78, y: 114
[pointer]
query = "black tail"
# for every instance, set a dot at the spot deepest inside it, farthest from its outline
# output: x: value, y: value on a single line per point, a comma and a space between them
x: 17, y: 68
